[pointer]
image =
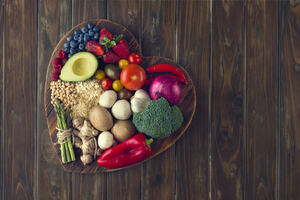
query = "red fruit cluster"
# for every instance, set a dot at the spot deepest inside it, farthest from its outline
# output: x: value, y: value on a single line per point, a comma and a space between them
x: 58, y: 63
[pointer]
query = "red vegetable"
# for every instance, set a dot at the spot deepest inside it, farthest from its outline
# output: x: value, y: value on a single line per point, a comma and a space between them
x: 94, y: 47
x: 129, y: 152
x: 167, y: 68
x: 167, y: 87
x: 134, y: 58
x: 110, y: 57
x: 106, y: 84
x: 178, y: 78
x: 121, y: 49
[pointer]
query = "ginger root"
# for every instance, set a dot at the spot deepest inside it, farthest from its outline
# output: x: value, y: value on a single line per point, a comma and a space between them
x: 85, y: 139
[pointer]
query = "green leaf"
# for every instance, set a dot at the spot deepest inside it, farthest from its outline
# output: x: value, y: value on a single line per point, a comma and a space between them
x: 106, y: 39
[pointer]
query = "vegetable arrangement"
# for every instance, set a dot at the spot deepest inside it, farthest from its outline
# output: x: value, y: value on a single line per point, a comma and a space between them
x: 132, y: 107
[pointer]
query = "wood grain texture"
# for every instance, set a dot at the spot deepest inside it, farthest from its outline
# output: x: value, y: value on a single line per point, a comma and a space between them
x: 290, y: 100
x: 126, y: 12
x: 1, y: 92
x: 84, y: 10
x: 262, y: 99
x: 192, y: 164
x: 53, y: 21
x: 89, y: 186
x: 227, y: 99
x: 120, y: 184
x: 20, y: 99
x: 158, y: 38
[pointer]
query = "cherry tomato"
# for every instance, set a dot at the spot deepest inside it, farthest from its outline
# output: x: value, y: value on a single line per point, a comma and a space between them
x: 133, y: 77
x: 99, y: 75
x: 117, y: 85
x: 123, y: 63
x: 135, y: 58
x: 125, y: 94
x: 106, y: 84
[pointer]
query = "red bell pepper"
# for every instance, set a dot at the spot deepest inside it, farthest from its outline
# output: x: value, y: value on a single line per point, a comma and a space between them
x: 129, y: 152
x: 167, y: 68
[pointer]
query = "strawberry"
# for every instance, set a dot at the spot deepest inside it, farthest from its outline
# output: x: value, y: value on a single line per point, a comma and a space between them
x: 110, y: 57
x: 121, y: 49
x: 94, y: 47
x: 105, y: 33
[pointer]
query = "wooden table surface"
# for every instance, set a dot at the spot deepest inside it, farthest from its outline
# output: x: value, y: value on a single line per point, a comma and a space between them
x: 244, y: 140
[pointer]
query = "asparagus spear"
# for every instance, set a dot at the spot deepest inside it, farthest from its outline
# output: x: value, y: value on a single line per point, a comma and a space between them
x: 62, y: 123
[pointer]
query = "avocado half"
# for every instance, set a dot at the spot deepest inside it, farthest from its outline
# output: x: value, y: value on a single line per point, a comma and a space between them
x: 80, y: 67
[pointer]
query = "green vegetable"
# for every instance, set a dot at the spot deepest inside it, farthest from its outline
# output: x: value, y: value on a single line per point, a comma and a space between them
x: 159, y: 119
x: 63, y: 123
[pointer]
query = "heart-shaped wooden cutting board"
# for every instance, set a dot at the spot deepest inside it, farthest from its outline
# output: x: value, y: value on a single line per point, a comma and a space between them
x: 187, y: 104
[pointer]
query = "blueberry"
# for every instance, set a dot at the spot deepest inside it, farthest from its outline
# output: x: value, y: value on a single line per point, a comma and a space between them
x: 90, y: 26
x: 86, y: 38
x: 66, y: 45
x: 80, y: 39
x: 91, y: 33
x: 67, y: 50
x: 96, y: 29
x: 84, y: 29
x: 73, y: 44
x: 76, y: 37
x: 69, y: 38
x: 96, y: 37
x: 81, y: 46
x: 69, y: 55
x: 81, y: 35
x: 72, y: 51
x: 76, y: 32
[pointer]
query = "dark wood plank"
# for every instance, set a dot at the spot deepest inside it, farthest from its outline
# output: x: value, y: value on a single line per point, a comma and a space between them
x: 92, y: 186
x: 125, y: 184
x: 290, y: 100
x: 158, y: 38
x: 262, y: 99
x: 54, y: 20
x: 20, y: 99
x: 192, y: 174
x: 1, y: 92
x: 227, y: 99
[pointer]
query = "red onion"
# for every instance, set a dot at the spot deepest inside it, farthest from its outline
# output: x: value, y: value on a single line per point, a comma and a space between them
x: 167, y: 87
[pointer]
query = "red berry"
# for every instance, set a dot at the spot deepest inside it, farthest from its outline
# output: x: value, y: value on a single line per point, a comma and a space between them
x: 62, y: 54
x: 57, y: 68
x: 63, y: 61
x: 57, y: 61
x: 55, y: 76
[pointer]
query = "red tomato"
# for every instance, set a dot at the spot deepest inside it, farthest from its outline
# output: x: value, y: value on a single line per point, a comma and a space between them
x: 135, y: 58
x: 133, y: 77
x: 106, y: 84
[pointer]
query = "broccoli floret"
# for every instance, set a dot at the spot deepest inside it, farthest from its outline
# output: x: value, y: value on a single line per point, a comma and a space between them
x: 159, y: 119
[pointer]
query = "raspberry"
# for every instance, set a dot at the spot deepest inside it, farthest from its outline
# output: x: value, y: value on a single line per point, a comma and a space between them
x: 55, y: 76
x: 63, y: 61
x: 57, y: 68
x: 57, y: 61
x: 62, y: 54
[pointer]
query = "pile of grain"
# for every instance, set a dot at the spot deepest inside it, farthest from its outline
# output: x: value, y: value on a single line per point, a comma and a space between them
x: 88, y: 96
x: 64, y: 91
